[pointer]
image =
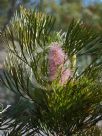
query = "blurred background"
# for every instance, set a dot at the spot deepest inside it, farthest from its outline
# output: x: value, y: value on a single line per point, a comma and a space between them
x: 64, y: 10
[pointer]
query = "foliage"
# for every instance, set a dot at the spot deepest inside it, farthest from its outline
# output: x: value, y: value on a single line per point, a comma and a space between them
x: 65, y: 10
x: 93, y: 12
x: 44, y: 106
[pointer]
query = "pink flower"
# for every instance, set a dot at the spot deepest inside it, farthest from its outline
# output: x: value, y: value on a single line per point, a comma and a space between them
x: 56, y: 61
x: 56, y: 58
x: 56, y: 54
x: 52, y: 70
x: 65, y: 76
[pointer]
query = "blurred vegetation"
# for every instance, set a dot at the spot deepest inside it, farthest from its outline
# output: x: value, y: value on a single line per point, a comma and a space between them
x: 66, y: 10
x: 63, y: 10
x: 6, y: 7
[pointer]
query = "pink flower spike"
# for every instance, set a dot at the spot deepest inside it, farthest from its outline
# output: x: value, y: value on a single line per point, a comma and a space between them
x: 52, y: 70
x: 56, y: 58
x: 66, y: 75
x: 56, y: 54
